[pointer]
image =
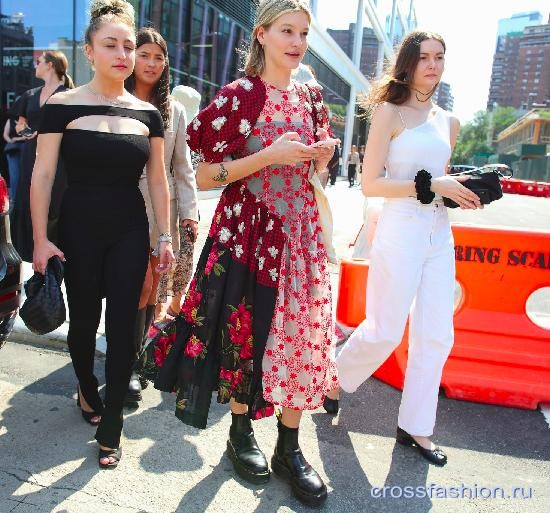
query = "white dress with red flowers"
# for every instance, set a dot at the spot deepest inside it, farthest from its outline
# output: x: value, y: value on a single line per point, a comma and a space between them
x: 298, y: 364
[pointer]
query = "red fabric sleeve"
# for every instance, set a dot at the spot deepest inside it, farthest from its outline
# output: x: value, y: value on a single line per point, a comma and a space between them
x: 221, y: 129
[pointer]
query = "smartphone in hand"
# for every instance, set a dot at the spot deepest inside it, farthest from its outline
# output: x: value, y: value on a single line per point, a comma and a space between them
x: 26, y: 132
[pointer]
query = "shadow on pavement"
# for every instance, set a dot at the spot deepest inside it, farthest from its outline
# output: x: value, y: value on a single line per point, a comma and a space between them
x: 478, y: 427
x: 36, y: 439
x: 160, y: 458
x: 373, y: 410
x: 347, y: 476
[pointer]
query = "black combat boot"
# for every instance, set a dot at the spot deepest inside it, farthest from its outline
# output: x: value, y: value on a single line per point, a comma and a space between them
x: 289, y: 463
x: 248, y: 459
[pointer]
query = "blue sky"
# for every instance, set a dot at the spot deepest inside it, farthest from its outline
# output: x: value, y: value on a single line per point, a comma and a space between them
x: 48, y: 22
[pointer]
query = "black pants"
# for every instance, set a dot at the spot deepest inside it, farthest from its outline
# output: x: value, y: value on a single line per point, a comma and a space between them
x: 105, y: 238
x: 351, y: 174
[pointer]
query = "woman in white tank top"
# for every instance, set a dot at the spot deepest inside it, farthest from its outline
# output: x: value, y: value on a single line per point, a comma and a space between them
x: 412, y: 266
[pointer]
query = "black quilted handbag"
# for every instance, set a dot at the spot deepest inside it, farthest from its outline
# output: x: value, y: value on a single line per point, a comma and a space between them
x: 484, y: 182
x: 44, y: 308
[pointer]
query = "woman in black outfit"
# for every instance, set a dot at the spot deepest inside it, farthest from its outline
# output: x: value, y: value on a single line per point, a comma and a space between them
x: 106, y: 136
x: 51, y: 67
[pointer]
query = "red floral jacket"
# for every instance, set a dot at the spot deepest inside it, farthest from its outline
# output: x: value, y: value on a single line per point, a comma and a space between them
x: 221, y: 129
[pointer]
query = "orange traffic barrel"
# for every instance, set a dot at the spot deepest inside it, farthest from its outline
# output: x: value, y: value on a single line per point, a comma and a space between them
x: 352, y: 295
x: 500, y: 356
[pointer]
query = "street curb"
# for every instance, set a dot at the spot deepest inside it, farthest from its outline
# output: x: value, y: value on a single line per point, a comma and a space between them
x: 56, y: 340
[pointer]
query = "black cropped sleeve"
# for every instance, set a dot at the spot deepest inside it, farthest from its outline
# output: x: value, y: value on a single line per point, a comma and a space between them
x: 54, y: 118
x: 156, y: 126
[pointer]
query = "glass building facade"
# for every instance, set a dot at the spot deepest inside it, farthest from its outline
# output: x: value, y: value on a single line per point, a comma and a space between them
x: 202, y: 38
x: 27, y: 28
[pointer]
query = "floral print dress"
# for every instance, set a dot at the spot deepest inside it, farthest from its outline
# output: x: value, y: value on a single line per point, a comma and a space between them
x: 298, y: 363
x: 256, y: 324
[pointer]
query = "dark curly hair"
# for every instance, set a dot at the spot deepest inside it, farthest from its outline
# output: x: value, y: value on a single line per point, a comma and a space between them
x: 161, y: 91
x: 394, y: 86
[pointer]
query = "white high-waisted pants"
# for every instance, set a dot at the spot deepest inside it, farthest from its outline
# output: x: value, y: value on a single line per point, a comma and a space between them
x: 412, y: 268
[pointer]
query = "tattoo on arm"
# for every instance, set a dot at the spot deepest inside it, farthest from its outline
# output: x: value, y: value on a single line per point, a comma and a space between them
x: 222, y: 175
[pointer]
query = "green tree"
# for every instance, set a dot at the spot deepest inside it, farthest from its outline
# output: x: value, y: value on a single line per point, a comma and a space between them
x: 503, y: 117
x: 472, y: 138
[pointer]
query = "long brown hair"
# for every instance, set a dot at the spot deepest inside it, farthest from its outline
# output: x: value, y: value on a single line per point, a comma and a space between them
x: 394, y: 86
x: 59, y: 63
x: 266, y: 13
x: 161, y: 90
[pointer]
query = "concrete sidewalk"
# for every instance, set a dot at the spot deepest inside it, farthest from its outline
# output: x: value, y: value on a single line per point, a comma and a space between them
x: 48, y: 459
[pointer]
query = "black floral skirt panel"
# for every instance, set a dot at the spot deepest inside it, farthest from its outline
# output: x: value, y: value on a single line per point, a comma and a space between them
x: 218, y: 340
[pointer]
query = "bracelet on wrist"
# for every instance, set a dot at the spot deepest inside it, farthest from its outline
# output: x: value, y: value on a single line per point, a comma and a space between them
x: 163, y: 237
x: 422, y: 185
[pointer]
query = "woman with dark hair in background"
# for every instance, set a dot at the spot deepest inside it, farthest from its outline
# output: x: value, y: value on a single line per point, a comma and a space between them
x: 412, y: 265
x: 51, y: 67
x: 106, y: 137
x: 150, y: 82
x: 334, y: 165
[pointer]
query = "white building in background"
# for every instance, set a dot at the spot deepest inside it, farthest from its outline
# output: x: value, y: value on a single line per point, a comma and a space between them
x: 443, y: 96
x: 390, y: 20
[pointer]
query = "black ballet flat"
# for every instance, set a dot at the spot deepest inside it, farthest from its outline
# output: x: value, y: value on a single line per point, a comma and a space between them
x: 87, y: 415
x: 116, y: 454
x: 331, y: 406
x: 436, y: 456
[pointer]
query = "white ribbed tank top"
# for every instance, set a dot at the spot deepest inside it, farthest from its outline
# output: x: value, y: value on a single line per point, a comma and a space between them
x: 426, y: 146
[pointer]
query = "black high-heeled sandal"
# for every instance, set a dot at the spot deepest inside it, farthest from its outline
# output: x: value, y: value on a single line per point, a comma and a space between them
x: 87, y: 415
x: 116, y: 454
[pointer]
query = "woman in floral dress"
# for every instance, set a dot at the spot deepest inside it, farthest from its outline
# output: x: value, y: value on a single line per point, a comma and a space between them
x: 256, y: 324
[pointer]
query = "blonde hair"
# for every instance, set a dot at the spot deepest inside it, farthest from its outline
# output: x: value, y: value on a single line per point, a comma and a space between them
x: 102, y: 11
x: 266, y: 13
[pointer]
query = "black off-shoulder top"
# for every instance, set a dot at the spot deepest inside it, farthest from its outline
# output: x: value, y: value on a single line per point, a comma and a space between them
x: 101, y: 158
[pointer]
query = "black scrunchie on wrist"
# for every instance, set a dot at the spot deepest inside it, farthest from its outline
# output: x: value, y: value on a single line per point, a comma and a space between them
x: 422, y: 184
